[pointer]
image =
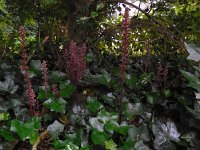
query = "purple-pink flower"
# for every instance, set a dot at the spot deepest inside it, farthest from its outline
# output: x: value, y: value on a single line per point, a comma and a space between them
x: 125, y: 43
x: 44, y: 76
x: 55, y: 90
x: 24, y: 67
x: 75, y: 62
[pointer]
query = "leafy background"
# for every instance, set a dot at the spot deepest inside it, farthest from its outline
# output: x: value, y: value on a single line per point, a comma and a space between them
x: 160, y: 107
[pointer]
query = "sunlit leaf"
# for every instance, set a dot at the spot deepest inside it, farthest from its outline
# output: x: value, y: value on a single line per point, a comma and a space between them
x: 57, y: 105
x: 110, y: 145
x: 93, y: 104
x: 99, y: 137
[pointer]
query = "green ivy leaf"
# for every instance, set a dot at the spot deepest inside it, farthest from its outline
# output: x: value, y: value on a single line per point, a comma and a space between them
x: 8, y: 85
x: 105, y: 116
x: 5, y: 133
x: 94, y: 14
x: 109, y: 99
x: 111, y: 126
x: 104, y: 78
x: 194, y: 51
x: 131, y: 80
x: 64, y: 145
x: 26, y: 130
x: 57, y: 105
x: 41, y: 94
x: 110, y: 145
x: 57, y: 76
x: 66, y: 89
x: 99, y: 137
x: 35, y: 66
x: 90, y: 57
x: 123, y: 130
x: 23, y: 131
x: 55, y: 128
x: 93, y: 104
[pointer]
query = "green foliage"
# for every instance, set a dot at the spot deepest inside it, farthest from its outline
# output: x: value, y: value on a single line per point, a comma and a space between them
x: 157, y: 108
x: 66, y: 89
x: 57, y: 105
x: 110, y: 145
x: 26, y: 130
x: 93, y: 104
x: 99, y: 137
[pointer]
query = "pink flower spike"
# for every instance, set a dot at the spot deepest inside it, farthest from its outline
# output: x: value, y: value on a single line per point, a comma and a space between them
x: 55, y: 90
x: 125, y: 44
x: 75, y: 62
x: 44, y: 76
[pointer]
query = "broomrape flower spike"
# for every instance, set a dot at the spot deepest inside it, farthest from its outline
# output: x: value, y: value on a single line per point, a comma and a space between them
x: 124, y: 54
x: 44, y: 76
x: 24, y: 66
x: 125, y: 43
x: 75, y: 62
x: 22, y: 33
x: 55, y: 90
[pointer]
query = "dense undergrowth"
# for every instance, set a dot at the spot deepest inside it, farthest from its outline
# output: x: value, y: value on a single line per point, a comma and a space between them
x: 87, y: 100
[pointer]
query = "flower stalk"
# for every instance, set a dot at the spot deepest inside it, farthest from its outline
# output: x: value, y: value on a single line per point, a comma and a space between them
x: 44, y: 76
x: 25, y: 67
x: 124, y: 55
x: 75, y: 62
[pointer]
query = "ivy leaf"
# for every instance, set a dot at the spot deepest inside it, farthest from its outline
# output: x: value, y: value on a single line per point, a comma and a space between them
x: 8, y: 85
x: 105, y: 116
x: 194, y: 51
x: 90, y: 57
x: 165, y: 133
x: 66, y: 89
x: 64, y: 145
x: 110, y: 145
x: 5, y: 133
x: 94, y: 122
x: 57, y: 105
x: 41, y: 94
x: 99, y: 137
x: 131, y: 110
x: 131, y: 80
x: 123, y: 130
x: 93, y: 104
x: 111, y: 126
x: 109, y: 99
x: 35, y: 67
x: 55, y: 128
x: 94, y: 14
x: 57, y: 76
x: 18, y: 127
x: 104, y: 78
x: 26, y: 130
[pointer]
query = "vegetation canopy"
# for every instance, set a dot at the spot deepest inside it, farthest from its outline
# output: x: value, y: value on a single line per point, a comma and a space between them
x: 99, y: 74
